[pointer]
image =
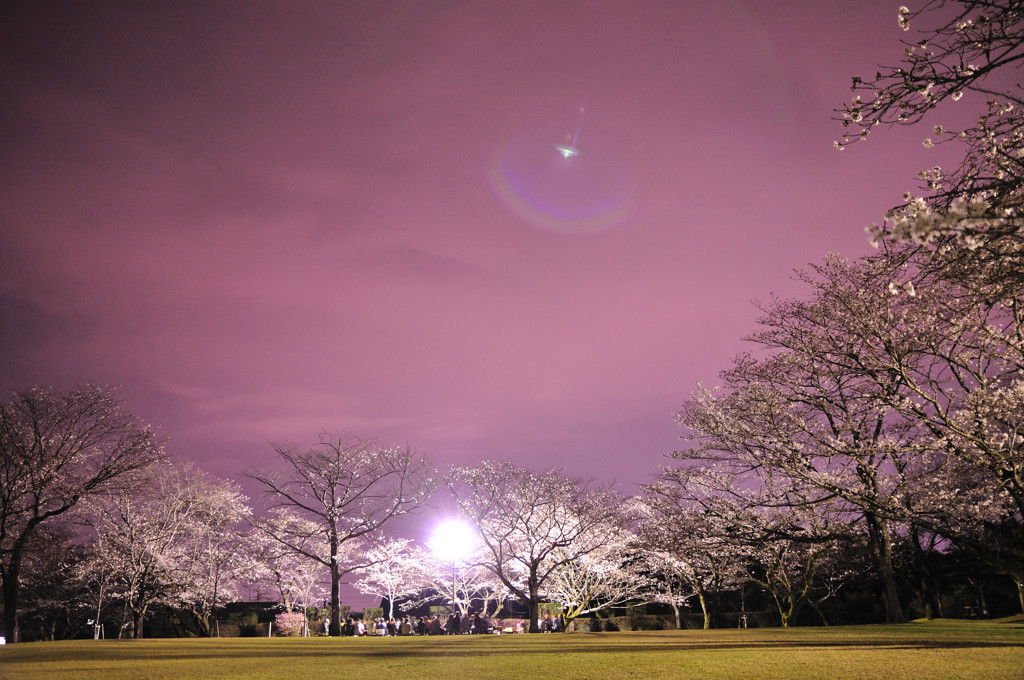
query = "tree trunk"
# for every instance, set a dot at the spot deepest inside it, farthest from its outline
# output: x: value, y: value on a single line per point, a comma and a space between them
x: 213, y: 606
x: 533, y: 607
x: 928, y: 599
x: 10, y: 578
x: 785, y: 605
x: 881, y: 548
x: 335, y: 599
x: 679, y: 618
x: 203, y: 624
x: 335, y: 630
x: 704, y: 608
x: 890, y: 594
x: 137, y: 618
x: 982, y: 604
x: 821, y: 614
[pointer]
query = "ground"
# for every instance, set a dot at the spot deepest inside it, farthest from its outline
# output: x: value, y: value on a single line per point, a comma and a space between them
x: 920, y: 650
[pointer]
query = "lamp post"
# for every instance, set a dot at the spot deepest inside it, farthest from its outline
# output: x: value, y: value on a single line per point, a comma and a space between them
x: 452, y: 541
x: 301, y: 584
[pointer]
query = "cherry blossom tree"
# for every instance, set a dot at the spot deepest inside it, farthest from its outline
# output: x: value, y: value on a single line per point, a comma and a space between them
x: 966, y: 244
x: 57, y: 449
x: 778, y: 535
x: 307, y: 586
x: 464, y: 582
x: 792, y: 560
x: 140, y: 524
x: 967, y: 53
x: 958, y: 359
x: 690, y: 550
x: 279, y: 567
x: 666, y: 579
x: 608, y: 576
x: 896, y: 401
x: 98, y: 572
x: 755, y: 425
x: 350, y: 489
x: 169, y: 537
x: 54, y: 600
x: 391, y: 573
x: 810, y: 414
x: 530, y: 524
x: 215, y: 550
x: 483, y: 587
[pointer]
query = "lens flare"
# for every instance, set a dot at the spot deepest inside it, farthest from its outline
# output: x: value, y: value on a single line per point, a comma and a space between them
x: 568, y: 186
x: 567, y: 151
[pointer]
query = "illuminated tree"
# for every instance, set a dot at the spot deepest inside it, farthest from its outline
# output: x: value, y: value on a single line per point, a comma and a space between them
x: 462, y: 581
x: 349, y: 489
x: 391, y: 572
x: 216, y: 552
x: 170, y: 536
x: 667, y: 580
x: 950, y: 363
x: 54, y: 600
x: 757, y: 424
x: 279, y: 568
x: 607, y: 576
x: 530, y: 524
x: 789, y: 557
x: 98, y: 572
x: 690, y: 549
x: 57, y: 449
x: 899, y: 403
x: 774, y: 533
x: 812, y: 417
x: 963, y: 63
x: 967, y: 233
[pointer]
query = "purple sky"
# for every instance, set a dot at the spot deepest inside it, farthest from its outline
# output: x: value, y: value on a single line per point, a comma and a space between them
x: 265, y: 220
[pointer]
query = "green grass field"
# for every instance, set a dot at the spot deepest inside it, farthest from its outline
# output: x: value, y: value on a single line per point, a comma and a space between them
x: 922, y: 651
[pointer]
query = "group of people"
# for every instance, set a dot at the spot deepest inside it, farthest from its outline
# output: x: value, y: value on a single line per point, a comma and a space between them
x: 465, y: 624
x: 550, y: 624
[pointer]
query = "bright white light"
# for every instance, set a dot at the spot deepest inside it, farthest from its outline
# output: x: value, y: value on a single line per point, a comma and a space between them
x: 567, y: 150
x: 453, y: 541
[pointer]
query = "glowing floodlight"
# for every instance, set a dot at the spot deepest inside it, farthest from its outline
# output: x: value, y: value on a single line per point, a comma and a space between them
x: 453, y: 541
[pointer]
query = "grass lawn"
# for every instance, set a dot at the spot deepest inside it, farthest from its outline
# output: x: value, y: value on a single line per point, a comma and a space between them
x: 922, y: 651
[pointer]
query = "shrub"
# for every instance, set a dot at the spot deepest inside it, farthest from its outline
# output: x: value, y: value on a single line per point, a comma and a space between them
x: 289, y: 624
x: 247, y: 622
x: 646, y: 622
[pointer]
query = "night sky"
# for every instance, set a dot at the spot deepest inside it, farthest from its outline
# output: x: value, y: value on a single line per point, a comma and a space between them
x: 518, y: 230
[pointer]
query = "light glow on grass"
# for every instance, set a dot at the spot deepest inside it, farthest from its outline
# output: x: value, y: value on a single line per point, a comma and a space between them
x: 917, y: 651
